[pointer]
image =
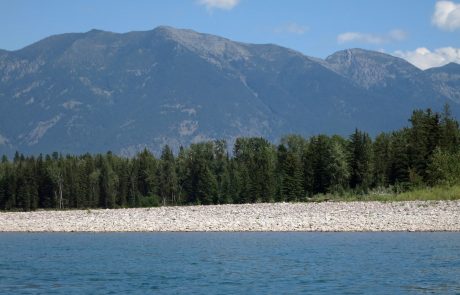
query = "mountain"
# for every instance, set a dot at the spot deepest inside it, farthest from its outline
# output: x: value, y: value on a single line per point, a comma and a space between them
x: 99, y: 91
x: 446, y: 80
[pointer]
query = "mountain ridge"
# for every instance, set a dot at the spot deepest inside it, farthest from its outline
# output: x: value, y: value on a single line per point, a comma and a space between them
x: 99, y: 90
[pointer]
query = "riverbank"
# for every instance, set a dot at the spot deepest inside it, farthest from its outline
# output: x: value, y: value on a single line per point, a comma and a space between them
x: 325, y: 216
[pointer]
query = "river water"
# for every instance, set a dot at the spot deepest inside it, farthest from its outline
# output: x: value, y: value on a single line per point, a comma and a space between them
x: 229, y: 263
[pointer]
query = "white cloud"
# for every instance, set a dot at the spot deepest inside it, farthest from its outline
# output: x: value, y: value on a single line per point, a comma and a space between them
x: 291, y: 28
x: 219, y: 4
x: 423, y: 58
x: 446, y: 15
x: 358, y: 37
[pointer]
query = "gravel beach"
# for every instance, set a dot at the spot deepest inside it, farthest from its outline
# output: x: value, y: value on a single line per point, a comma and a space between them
x: 326, y: 216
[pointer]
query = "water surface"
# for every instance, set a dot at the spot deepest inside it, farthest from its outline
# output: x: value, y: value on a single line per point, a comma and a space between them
x: 230, y: 263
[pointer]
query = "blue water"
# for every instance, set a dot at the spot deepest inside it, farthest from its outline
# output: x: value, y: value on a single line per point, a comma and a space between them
x: 230, y: 263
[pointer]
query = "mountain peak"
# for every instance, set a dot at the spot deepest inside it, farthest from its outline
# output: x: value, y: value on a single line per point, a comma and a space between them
x: 452, y: 66
x: 93, y: 31
x: 357, y: 51
x: 206, y: 45
x: 358, y: 54
x: 369, y: 68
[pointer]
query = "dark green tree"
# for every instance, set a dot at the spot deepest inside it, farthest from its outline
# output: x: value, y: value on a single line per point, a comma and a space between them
x: 360, y: 160
x: 167, y: 178
x: 381, y: 160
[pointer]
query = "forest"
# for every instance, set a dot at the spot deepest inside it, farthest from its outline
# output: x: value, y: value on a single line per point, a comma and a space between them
x: 424, y: 154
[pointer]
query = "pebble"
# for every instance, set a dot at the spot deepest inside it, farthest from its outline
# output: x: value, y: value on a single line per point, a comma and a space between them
x: 324, y: 217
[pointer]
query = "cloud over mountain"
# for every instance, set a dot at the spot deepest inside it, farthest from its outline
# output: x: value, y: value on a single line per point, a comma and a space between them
x: 423, y: 58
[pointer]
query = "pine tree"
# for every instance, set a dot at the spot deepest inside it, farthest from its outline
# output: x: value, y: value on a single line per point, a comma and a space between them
x: 308, y: 170
x: 450, y: 132
x: 147, y: 171
x: 289, y: 175
x: 45, y: 183
x: 219, y: 169
x: 258, y: 156
x: 56, y: 173
x: 200, y: 184
x: 281, y: 188
x: 338, y: 167
x: 167, y: 179
x: 381, y: 160
x: 3, y: 188
x: 108, y: 183
x: 399, y: 157
x: 424, y: 137
x: 328, y: 165
x: 359, y: 160
x: 234, y: 186
x: 181, y: 173
x: 133, y: 197
x: 123, y: 183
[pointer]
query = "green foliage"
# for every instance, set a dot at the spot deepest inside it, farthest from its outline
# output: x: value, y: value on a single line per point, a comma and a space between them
x: 360, y: 160
x: 444, y: 168
x: 393, y: 194
x: 290, y: 168
x: 149, y: 201
x: 394, y: 166
x: 424, y: 137
x: 325, y: 165
x: 200, y: 184
x: 167, y: 179
x: 399, y: 157
x: 256, y: 159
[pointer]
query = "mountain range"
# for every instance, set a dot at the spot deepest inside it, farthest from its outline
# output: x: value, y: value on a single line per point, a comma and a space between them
x: 99, y: 91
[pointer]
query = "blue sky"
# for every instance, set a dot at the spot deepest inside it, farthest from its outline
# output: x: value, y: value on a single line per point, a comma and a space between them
x: 425, y: 32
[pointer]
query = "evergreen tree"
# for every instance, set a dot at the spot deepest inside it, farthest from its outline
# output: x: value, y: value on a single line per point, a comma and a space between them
x: 219, y: 168
x: 399, y: 157
x: 3, y: 188
x: 289, y: 175
x: 359, y: 160
x: 381, y: 160
x: 424, y: 137
x: 147, y: 170
x: 258, y: 156
x: 281, y: 156
x: 200, y: 183
x: 328, y: 164
x: 133, y: 197
x: 167, y: 179
x: 450, y: 132
x: 181, y: 173
x: 234, y: 183
x: 108, y: 184
x: 123, y: 183
x: 56, y: 173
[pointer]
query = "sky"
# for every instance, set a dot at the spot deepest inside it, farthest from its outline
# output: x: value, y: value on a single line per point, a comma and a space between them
x: 424, y: 32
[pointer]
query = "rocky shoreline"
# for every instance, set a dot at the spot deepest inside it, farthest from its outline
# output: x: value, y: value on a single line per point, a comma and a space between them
x: 326, y: 216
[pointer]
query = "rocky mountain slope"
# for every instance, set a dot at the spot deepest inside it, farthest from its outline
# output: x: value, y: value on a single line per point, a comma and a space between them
x: 99, y: 91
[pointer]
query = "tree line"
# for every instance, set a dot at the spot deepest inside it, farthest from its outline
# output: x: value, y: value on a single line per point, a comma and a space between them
x: 427, y: 153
